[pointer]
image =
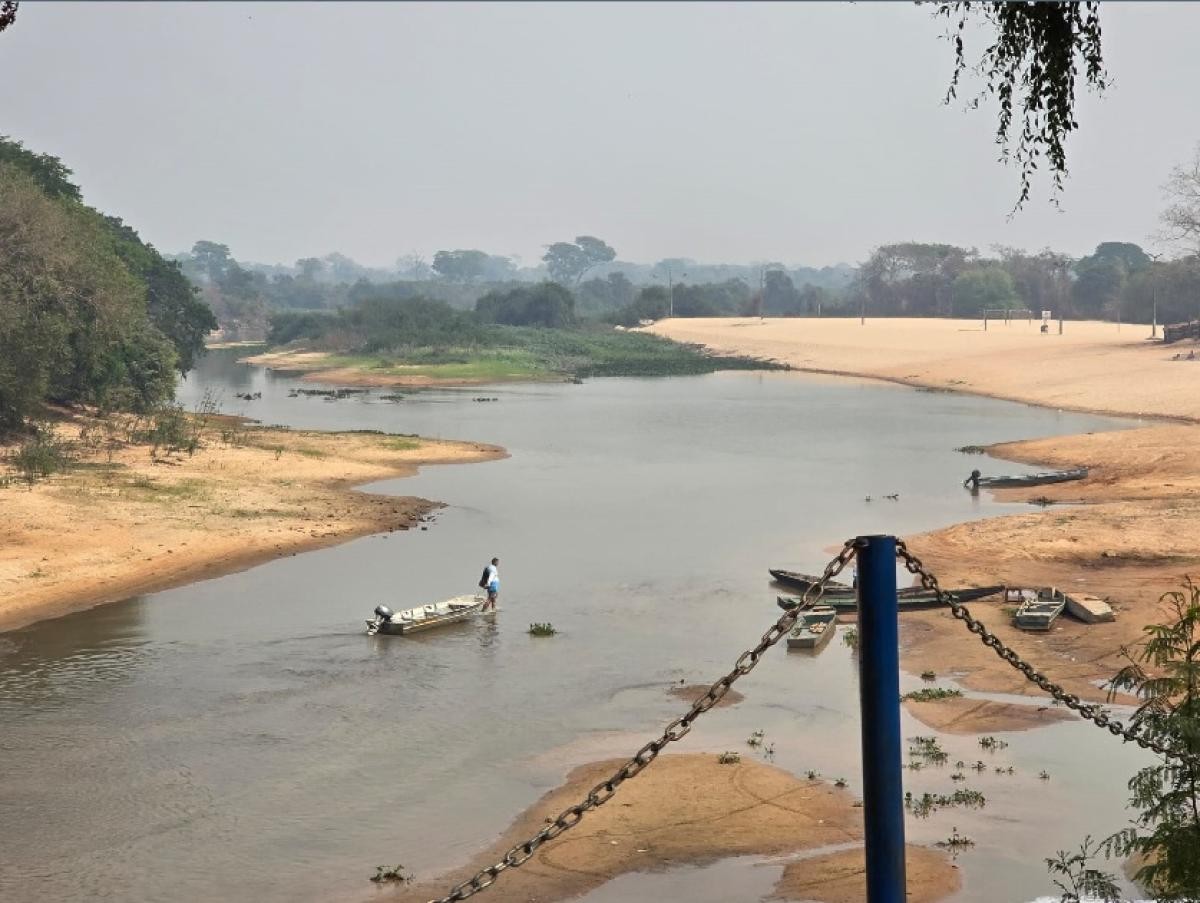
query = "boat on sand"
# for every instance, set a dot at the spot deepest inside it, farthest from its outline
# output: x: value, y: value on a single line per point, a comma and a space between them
x: 1037, y: 609
x: 423, y: 617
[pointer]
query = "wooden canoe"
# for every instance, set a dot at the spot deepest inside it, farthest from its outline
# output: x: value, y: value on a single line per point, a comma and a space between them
x: 802, y: 582
x: 913, y: 597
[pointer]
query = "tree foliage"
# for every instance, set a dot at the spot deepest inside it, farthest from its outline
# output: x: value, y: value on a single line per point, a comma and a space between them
x: 1030, y: 69
x: 568, y: 262
x: 73, y: 319
x: 8, y: 13
x: 1164, y: 674
x: 548, y: 305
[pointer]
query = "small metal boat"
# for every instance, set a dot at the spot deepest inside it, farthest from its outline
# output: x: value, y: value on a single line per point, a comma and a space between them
x: 802, y: 582
x: 423, y: 617
x: 1037, y: 609
x: 814, y: 628
x: 911, y: 597
x: 1087, y: 608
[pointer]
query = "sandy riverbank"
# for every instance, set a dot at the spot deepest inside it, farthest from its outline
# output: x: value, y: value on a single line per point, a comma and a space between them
x: 1130, y: 538
x: 686, y: 810
x: 122, y: 523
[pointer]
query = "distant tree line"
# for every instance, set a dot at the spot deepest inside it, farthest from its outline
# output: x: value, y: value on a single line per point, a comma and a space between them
x: 89, y: 313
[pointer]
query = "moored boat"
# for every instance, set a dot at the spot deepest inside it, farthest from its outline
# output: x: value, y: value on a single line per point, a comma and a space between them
x: 1038, y: 609
x: 802, y: 582
x: 977, y: 481
x: 912, y: 597
x: 814, y: 628
x: 423, y: 617
x: 1087, y: 608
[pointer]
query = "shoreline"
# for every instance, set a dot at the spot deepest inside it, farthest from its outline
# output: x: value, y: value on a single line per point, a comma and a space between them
x: 745, y: 808
x: 1121, y: 533
x: 122, y: 522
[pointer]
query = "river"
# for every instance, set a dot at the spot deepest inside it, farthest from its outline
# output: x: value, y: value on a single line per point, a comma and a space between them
x: 242, y: 739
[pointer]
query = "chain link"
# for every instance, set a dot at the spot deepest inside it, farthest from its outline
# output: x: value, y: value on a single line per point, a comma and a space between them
x: 676, y: 730
x: 1092, y: 712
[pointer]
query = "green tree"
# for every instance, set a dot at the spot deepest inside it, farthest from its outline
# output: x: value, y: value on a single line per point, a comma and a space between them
x: 1100, y: 278
x: 780, y: 297
x: 212, y: 259
x: 1164, y: 674
x: 51, y: 175
x: 568, y: 262
x: 912, y: 278
x: 461, y: 265
x: 548, y: 305
x: 982, y: 288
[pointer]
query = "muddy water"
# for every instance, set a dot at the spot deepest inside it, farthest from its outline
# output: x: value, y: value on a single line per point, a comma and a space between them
x: 241, y: 739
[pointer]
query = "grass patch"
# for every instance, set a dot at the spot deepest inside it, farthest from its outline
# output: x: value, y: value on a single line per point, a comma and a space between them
x: 928, y: 694
x: 401, y: 443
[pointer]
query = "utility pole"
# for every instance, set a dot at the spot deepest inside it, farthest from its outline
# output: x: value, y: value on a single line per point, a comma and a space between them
x: 1154, y: 294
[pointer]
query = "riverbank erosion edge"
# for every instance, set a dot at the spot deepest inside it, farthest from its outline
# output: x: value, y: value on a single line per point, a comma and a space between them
x: 123, y: 521
x: 1125, y: 533
x: 689, y: 809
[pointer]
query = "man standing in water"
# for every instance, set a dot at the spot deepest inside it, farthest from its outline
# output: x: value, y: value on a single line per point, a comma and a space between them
x: 491, y: 582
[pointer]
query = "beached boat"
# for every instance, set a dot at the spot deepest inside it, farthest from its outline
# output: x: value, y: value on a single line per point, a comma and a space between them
x: 912, y: 597
x: 1038, y: 609
x: 814, y: 628
x: 423, y: 617
x: 1087, y: 608
x: 976, y: 481
x: 802, y: 582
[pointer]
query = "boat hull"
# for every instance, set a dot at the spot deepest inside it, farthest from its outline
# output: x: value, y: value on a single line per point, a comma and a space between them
x: 803, y: 582
x: 1033, y: 479
x: 416, y: 620
x: 1038, y: 613
x: 1089, y: 609
x: 906, y: 599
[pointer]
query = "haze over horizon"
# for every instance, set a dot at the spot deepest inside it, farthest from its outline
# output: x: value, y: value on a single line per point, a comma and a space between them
x: 805, y: 133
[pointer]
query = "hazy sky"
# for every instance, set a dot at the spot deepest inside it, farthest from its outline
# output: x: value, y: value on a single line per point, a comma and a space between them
x: 806, y: 133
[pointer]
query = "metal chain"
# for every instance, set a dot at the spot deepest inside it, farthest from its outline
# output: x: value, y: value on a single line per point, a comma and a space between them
x: 1094, y: 713
x: 676, y: 730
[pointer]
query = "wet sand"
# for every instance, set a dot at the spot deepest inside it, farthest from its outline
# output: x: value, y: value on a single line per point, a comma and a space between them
x: 690, y: 809
x: 1129, y: 532
x: 125, y: 523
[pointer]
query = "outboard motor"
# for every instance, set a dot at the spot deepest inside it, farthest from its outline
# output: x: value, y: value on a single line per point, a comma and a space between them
x: 383, y: 614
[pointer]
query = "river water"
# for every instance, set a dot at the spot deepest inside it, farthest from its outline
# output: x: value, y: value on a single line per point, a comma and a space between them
x: 242, y: 739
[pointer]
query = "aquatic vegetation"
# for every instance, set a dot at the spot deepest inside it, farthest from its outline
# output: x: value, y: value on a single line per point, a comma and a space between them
x: 955, y: 841
x: 812, y: 775
x: 958, y: 776
x: 927, y: 749
x: 850, y: 637
x: 979, y: 766
x: 539, y: 629
x: 992, y: 744
x: 729, y: 758
x: 755, y: 739
x: 927, y: 803
x: 840, y: 782
x: 390, y: 875
x: 928, y: 675
x: 1044, y: 775
x: 929, y: 694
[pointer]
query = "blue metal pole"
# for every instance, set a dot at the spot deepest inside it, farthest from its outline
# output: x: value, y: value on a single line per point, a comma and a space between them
x: 879, y: 692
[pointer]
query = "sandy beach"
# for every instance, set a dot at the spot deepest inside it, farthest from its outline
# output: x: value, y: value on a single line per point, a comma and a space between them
x: 690, y: 809
x: 122, y: 523
x: 1125, y: 533
x: 317, y: 367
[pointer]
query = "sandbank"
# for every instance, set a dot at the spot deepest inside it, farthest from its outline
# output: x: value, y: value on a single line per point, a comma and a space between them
x: 1129, y: 532
x: 123, y: 522
x: 322, y: 367
x: 689, y: 809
